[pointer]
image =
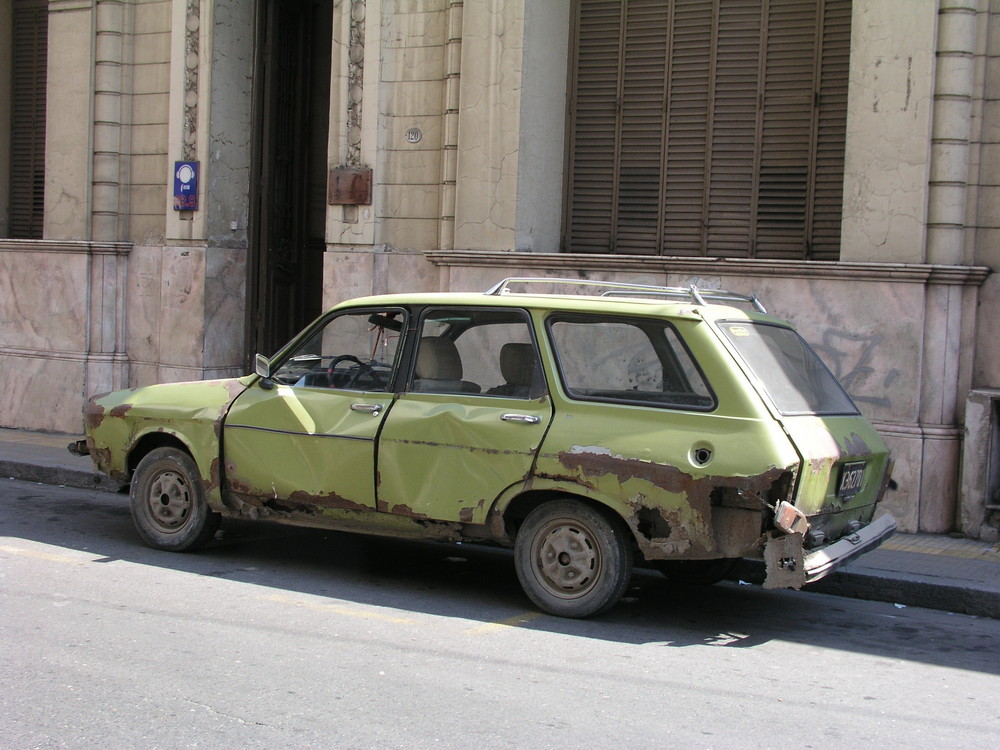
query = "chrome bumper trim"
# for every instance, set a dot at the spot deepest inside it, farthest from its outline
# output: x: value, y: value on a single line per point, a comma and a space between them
x: 823, y: 561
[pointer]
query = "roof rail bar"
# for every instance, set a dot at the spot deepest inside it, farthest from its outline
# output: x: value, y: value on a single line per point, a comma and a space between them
x: 702, y: 297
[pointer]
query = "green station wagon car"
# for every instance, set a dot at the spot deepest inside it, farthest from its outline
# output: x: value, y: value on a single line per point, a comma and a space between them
x: 590, y: 426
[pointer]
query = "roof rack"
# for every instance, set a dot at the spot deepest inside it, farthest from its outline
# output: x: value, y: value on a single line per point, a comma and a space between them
x: 635, y: 291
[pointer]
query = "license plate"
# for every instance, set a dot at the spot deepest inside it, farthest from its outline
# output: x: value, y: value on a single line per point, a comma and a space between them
x: 852, y: 479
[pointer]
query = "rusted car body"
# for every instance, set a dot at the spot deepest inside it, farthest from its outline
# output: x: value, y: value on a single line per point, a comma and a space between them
x: 590, y: 431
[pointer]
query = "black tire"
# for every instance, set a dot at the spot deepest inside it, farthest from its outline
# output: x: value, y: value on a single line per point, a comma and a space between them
x: 168, y: 502
x: 702, y: 572
x: 571, y: 560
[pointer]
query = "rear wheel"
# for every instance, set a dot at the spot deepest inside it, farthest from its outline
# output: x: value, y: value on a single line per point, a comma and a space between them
x: 571, y: 560
x: 168, y: 503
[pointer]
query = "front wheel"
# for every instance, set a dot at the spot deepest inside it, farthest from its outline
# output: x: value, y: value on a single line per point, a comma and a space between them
x: 571, y: 560
x: 168, y: 502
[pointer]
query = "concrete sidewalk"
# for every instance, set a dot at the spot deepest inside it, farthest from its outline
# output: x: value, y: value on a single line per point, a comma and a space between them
x: 919, y: 570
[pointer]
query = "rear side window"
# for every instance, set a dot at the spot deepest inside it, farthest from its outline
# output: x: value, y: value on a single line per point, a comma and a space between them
x: 477, y: 351
x: 793, y: 375
x: 639, y: 361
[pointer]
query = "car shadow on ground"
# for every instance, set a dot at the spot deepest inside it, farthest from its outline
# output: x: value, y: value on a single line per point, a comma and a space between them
x: 478, y: 583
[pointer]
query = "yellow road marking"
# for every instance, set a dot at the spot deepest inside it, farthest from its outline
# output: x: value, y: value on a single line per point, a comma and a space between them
x: 346, y: 611
x: 36, y: 555
x: 510, y: 622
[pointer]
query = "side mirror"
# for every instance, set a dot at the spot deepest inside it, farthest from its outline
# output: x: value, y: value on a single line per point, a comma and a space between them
x: 262, y: 366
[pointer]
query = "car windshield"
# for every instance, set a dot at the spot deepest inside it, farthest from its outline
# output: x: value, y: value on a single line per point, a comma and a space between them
x: 794, y: 377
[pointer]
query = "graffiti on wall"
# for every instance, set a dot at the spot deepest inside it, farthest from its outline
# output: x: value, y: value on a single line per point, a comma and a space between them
x: 850, y: 356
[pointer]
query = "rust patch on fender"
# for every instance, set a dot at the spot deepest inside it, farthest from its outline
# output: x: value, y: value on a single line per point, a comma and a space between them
x: 94, y: 413
x: 665, y: 532
x: 466, y: 515
x: 406, y: 510
x: 332, y: 500
x: 668, y: 478
x: 214, y: 476
x: 292, y: 508
x: 120, y: 411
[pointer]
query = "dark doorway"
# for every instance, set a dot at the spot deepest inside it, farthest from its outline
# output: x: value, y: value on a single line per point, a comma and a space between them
x: 288, y: 201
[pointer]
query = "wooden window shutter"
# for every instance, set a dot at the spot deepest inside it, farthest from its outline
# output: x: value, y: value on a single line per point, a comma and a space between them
x: 834, y: 64
x: 594, y: 140
x: 708, y: 127
x: 27, y: 167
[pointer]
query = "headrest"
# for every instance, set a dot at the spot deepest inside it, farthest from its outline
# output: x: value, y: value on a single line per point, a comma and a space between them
x: 517, y: 363
x: 438, y: 359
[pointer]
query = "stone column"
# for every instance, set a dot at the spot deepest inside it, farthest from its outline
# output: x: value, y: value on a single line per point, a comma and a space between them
x: 954, y: 86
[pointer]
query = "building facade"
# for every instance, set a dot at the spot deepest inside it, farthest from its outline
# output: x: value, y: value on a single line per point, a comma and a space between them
x: 189, y: 181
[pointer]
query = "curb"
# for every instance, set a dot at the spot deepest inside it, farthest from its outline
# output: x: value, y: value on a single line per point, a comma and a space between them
x: 60, y: 475
x: 885, y: 586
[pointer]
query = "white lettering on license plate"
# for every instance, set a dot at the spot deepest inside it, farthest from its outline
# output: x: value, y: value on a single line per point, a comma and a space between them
x: 852, y: 478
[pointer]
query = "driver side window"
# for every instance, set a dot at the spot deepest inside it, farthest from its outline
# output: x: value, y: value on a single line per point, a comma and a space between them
x: 352, y: 351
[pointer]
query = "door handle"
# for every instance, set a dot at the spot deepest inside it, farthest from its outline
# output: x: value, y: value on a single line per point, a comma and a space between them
x: 372, y: 409
x: 522, y: 418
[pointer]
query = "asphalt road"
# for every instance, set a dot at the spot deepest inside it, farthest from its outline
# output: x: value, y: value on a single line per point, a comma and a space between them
x: 277, y: 637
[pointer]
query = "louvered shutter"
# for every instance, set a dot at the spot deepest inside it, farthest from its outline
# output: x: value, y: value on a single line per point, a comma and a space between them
x: 735, y: 124
x: 787, y: 135
x: 834, y: 62
x: 593, y: 172
x: 708, y: 128
x: 27, y: 163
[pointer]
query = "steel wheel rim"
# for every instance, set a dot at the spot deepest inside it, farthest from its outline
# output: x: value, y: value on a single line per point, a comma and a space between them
x: 567, y: 558
x: 169, y: 501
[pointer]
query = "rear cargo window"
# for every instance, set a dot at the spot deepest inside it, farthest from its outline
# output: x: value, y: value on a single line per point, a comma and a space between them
x: 793, y: 375
x: 640, y: 361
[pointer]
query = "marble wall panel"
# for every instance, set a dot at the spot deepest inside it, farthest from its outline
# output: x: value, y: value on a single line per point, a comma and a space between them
x: 143, y: 308
x: 939, y: 482
x: 42, y: 393
x: 143, y: 373
x: 225, y: 310
x: 182, y: 311
x: 347, y: 275
x: 170, y: 374
x: 907, y: 451
x: 54, y: 282
x: 410, y: 272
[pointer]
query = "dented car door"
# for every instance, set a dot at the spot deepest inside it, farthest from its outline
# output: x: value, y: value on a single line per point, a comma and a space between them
x: 471, y: 421
x: 302, y: 441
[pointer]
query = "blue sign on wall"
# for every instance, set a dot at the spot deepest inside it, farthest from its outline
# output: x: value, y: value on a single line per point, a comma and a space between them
x: 185, y: 186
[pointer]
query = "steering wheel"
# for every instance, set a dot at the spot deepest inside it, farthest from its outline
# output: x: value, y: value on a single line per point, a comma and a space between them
x: 359, y: 369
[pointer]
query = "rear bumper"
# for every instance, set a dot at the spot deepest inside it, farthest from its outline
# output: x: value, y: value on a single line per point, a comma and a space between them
x: 821, y: 562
